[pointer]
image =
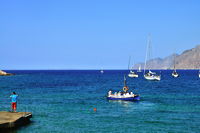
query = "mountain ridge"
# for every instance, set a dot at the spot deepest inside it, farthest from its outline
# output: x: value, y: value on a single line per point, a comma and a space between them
x: 188, y: 59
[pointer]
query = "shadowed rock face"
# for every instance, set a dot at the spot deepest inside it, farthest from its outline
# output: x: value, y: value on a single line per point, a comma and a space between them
x: 189, y: 59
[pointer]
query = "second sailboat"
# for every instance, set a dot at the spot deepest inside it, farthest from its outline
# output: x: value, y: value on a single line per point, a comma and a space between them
x: 150, y: 75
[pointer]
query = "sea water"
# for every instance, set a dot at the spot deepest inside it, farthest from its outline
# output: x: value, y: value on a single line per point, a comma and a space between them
x: 64, y: 101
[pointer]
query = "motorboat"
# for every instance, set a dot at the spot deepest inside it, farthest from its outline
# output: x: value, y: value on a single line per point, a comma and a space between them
x: 125, y: 95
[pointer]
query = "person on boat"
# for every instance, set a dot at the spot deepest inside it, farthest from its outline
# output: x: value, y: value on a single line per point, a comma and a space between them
x: 110, y: 92
x: 14, y: 101
x: 119, y: 93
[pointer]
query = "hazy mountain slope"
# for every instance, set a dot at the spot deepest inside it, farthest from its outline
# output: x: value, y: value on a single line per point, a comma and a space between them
x: 189, y: 59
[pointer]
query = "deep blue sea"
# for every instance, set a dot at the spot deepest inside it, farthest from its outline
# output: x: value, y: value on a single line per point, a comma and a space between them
x: 63, y: 102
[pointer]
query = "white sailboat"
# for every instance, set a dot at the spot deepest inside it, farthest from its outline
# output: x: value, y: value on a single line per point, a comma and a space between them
x: 132, y: 74
x: 139, y: 69
x: 199, y: 73
x: 174, y: 73
x: 150, y: 75
x: 102, y: 71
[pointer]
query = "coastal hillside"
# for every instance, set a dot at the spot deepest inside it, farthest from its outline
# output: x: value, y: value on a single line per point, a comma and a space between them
x: 189, y: 59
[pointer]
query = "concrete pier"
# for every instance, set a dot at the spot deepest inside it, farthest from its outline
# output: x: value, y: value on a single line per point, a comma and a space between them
x: 10, y: 120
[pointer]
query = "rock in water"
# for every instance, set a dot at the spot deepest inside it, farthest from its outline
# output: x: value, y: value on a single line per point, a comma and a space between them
x: 2, y: 73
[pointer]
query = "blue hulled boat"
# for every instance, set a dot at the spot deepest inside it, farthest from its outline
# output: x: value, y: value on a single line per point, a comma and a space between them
x: 130, y: 98
x: 125, y: 95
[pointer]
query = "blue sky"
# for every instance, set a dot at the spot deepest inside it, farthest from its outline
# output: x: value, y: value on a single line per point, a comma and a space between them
x: 93, y: 34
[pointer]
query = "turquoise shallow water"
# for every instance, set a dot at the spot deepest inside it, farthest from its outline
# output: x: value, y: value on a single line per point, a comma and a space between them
x: 63, y: 101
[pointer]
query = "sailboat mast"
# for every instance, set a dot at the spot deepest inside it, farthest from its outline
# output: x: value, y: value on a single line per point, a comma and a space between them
x: 147, y: 53
x: 129, y: 61
x: 174, y: 62
x: 150, y: 50
x: 133, y: 64
x: 124, y: 80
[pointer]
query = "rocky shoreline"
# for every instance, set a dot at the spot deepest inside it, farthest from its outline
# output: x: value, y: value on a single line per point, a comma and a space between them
x: 2, y: 73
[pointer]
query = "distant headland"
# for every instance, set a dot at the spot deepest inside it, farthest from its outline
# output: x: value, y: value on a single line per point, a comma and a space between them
x: 189, y: 59
x: 2, y: 73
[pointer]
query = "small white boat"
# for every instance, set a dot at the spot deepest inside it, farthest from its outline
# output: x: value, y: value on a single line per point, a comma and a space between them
x: 132, y: 74
x: 199, y: 74
x: 175, y: 74
x: 152, y: 76
x: 102, y: 71
x: 139, y: 69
